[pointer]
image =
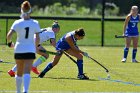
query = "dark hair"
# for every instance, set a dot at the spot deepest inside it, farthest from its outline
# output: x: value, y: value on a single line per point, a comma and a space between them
x: 80, y: 32
x: 55, y: 24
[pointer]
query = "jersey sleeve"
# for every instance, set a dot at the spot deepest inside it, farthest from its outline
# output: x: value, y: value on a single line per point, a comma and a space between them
x: 14, y: 26
x: 51, y: 35
x: 37, y: 30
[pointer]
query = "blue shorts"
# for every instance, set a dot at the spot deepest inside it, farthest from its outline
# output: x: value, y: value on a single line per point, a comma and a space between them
x: 132, y: 35
x: 128, y: 33
x: 62, y: 45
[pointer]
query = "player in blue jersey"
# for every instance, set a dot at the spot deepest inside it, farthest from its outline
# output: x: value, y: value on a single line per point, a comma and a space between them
x: 131, y: 33
x: 68, y: 44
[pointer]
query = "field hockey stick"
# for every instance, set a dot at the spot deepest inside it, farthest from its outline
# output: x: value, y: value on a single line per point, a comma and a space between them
x: 88, y: 57
x: 49, y: 52
x: 117, y: 36
x: 69, y: 57
x: 7, y: 63
x: 107, y: 71
x: 99, y: 63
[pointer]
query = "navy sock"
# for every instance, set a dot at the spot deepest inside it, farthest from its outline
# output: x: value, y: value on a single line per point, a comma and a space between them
x: 80, y: 66
x: 48, y: 67
x: 134, y: 52
x: 125, y: 52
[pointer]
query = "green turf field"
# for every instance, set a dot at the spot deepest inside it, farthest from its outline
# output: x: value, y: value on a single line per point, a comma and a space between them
x: 92, y: 28
x: 62, y: 78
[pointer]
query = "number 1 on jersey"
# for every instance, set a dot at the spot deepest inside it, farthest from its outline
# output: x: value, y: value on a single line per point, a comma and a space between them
x: 27, y: 32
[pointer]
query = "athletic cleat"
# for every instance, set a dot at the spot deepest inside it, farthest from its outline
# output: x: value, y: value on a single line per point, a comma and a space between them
x: 11, y: 73
x: 41, y: 75
x: 123, y: 60
x: 34, y: 69
x: 134, y: 61
x: 83, y: 77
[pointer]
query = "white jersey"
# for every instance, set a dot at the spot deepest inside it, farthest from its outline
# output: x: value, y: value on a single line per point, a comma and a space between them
x: 46, y: 34
x: 25, y: 30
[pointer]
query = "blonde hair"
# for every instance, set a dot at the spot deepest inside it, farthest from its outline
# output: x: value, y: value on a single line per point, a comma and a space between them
x: 25, y: 7
x: 134, y: 7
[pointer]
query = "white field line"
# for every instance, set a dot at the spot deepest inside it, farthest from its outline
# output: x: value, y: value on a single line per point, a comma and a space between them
x: 44, y: 91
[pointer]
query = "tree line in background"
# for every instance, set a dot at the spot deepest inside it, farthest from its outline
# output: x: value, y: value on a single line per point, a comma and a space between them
x: 71, y: 7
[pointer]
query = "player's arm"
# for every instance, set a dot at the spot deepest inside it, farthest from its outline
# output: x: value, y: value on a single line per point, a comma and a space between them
x: 53, y: 42
x: 37, y: 39
x: 73, y: 47
x: 9, y: 36
x: 126, y: 23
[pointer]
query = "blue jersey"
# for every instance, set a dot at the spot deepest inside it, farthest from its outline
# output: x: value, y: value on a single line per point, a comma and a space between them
x: 62, y: 44
x: 132, y: 29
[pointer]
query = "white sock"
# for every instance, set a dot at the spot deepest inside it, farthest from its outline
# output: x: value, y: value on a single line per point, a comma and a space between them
x: 26, y: 78
x: 37, y: 62
x: 14, y: 68
x: 18, y: 83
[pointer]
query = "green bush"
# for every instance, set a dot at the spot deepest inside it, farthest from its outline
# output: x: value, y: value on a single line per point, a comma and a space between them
x: 110, y: 9
x: 57, y: 9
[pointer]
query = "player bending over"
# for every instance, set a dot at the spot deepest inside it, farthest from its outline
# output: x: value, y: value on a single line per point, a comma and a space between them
x: 45, y: 35
x: 68, y: 44
x: 131, y: 31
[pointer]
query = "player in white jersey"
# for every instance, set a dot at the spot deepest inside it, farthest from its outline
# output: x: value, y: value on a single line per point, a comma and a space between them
x: 45, y: 35
x: 25, y: 47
